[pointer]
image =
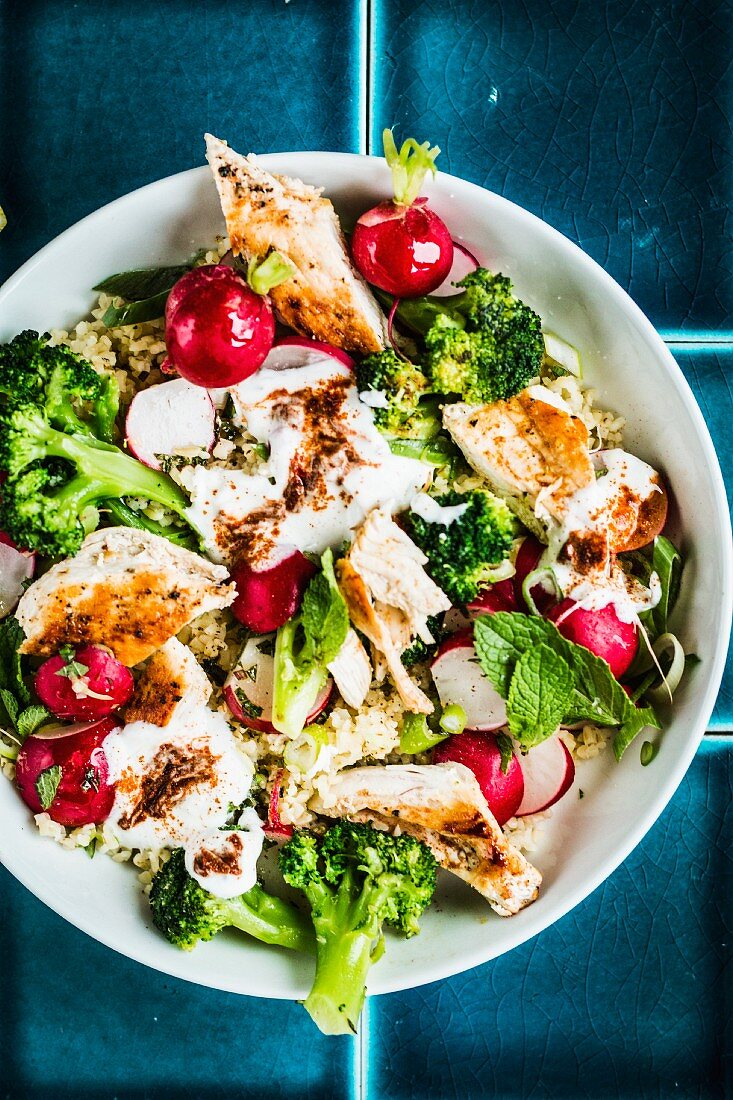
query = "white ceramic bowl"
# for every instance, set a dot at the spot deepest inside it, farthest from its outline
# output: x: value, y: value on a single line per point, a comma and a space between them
x: 633, y: 373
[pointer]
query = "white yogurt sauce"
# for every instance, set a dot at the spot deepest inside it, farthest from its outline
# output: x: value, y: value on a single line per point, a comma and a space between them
x: 196, y: 764
x: 589, y: 510
x: 361, y: 473
x: 428, y: 509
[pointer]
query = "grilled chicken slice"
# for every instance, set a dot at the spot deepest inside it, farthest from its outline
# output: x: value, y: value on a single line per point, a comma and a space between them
x: 442, y: 805
x: 326, y: 297
x: 352, y: 670
x: 172, y: 681
x: 126, y: 589
x: 390, y: 597
x: 532, y: 451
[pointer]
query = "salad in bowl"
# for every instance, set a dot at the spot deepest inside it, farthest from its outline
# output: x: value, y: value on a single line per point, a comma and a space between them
x: 318, y: 544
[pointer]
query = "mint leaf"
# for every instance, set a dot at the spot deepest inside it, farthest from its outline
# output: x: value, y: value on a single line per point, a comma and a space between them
x: 636, y: 720
x: 506, y: 749
x: 667, y: 564
x: 47, y: 784
x: 11, y: 671
x: 323, y: 615
x: 30, y: 719
x: 136, y: 313
x: 539, y: 692
x: 10, y: 706
x: 501, y: 639
x: 141, y: 283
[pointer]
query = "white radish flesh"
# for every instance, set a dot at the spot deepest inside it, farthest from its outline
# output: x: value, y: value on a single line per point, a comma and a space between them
x: 172, y: 418
x: 16, y: 566
x: 549, y: 771
x: 458, y: 679
x: 249, y: 687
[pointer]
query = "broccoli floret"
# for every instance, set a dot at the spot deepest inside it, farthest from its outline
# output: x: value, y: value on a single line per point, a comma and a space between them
x: 356, y: 880
x: 420, y: 650
x: 401, y: 383
x: 461, y: 553
x: 187, y: 914
x: 74, y: 397
x: 40, y: 511
x: 482, y: 344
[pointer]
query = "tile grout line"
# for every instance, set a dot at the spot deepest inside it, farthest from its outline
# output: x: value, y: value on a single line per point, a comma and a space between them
x: 365, y: 76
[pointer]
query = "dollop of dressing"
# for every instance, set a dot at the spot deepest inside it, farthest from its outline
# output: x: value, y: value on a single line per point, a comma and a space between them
x: 175, y: 787
x: 428, y: 509
x: 328, y: 467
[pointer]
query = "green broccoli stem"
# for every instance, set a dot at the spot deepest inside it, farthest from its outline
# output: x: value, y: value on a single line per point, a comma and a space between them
x: 343, y: 961
x: 270, y: 920
x: 127, y: 517
x: 105, y: 471
x: 419, y: 314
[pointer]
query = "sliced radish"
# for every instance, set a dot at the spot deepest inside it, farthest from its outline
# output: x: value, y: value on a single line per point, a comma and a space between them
x: 494, y: 597
x: 16, y: 566
x: 83, y: 794
x: 317, y: 346
x: 560, y: 356
x: 479, y: 751
x: 172, y: 418
x: 248, y: 688
x: 549, y: 771
x: 267, y: 598
x: 464, y: 262
x: 85, y: 683
x: 275, y: 828
x: 527, y: 561
x: 600, y: 630
x: 458, y: 679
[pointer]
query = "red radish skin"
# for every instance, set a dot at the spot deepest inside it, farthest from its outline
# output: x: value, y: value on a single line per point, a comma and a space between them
x: 217, y: 330
x: 275, y: 828
x: 492, y: 598
x: 549, y: 771
x: 480, y: 752
x: 464, y: 262
x: 171, y: 418
x: 405, y: 250
x: 528, y: 558
x: 106, y: 676
x: 599, y: 630
x: 250, y: 685
x: 458, y: 679
x: 78, y: 751
x: 267, y: 598
x: 317, y: 346
x: 16, y: 566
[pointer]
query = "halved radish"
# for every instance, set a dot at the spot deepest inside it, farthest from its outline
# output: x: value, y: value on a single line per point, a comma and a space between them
x: 248, y: 688
x: 458, y: 679
x: 549, y: 771
x: 464, y: 262
x: 85, y: 683
x: 494, y: 597
x: 172, y: 418
x: 16, y: 566
x: 267, y: 598
x: 82, y: 793
x: 479, y: 751
x: 308, y: 345
x: 600, y: 630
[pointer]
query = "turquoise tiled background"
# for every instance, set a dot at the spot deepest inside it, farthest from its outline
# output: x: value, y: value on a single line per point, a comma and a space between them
x: 612, y: 122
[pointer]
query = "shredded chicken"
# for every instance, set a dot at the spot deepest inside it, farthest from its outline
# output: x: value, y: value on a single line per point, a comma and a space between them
x: 443, y: 806
x: 390, y: 597
x: 126, y: 589
x: 352, y: 670
x: 171, y: 681
x: 326, y: 297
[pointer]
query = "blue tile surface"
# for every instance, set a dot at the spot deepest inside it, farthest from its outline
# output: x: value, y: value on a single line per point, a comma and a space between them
x: 80, y: 1021
x: 608, y: 120
x: 98, y: 99
x: 631, y: 995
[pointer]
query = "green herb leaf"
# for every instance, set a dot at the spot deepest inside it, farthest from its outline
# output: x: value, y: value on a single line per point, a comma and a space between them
x: 637, y: 719
x: 503, y: 638
x: 142, y: 283
x: 667, y: 564
x: 539, y: 694
x: 47, y: 785
x: 505, y: 747
x: 91, y: 847
x: 324, y: 616
x: 11, y: 671
x: 10, y: 705
x: 248, y: 707
x: 136, y: 313
x: 74, y: 670
x: 30, y: 719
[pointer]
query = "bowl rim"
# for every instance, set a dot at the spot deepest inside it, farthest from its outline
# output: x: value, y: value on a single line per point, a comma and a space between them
x: 534, y: 921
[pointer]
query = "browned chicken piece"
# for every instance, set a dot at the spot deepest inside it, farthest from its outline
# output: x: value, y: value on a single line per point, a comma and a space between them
x: 390, y: 597
x: 172, y: 679
x: 326, y: 297
x: 126, y: 589
x: 443, y: 806
x: 531, y: 452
